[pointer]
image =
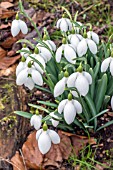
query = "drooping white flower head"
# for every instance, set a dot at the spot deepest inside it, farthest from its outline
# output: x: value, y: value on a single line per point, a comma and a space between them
x: 69, y: 108
x: 74, y: 39
x: 25, y: 54
x: 83, y: 46
x: 35, y: 64
x: 68, y: 51
x: 53, y: 121
x: 46, y: 53
x: 45, y: 139
x: 92, y: 35
x: 36, y: 121
x: 81, y: 81
x: 108, y: 62
x: 64, y: 24
x: 112, y: 102
x: 17, y: 26
x: 21, y: 66
x: 29, y: 77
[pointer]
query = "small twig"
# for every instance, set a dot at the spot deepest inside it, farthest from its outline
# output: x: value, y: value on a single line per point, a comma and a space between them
x: 23, y: 158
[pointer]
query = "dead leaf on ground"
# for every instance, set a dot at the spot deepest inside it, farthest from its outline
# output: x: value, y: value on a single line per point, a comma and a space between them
x: 79, y: 142
x: 3, y: 26
x: 8, y: 71
x: 2, y: 53
x: 6, y: 62
x: 4, y: 13
x: 6, y: 5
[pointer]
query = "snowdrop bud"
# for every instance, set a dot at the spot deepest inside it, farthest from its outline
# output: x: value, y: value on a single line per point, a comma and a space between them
x: 36, y: 50
x: 69, y: 96
x: 66, y: 74
x: 45, y: 127
x: 64, y: 41
x: 45, y: 37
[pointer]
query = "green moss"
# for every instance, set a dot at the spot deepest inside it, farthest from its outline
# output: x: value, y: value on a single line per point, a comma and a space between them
x: 2, y: 107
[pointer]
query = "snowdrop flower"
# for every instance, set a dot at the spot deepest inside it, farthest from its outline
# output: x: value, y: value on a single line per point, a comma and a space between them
x: 45, y: 138
x: 68, y: 51
x: 36, y: 121
x: 92, y: 35
x: 108, y: 62
x: 60, y: 86
x: 81, y: 81
x: 17, y: 26
x: 53, y: 121
x: 21, y: 66
x: 74, y: 39
x: 112, y: 102
x: 64, y: 24
x: 69, y: 107
x: 25, y: 54
x: 84, y: 44
x: 46, y: 54
x: 29, y: 77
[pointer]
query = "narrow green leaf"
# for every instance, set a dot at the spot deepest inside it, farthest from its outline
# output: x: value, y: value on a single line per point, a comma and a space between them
x: 26, y: 42
x: 96, y: 69
x: 24, y: 114
x: 105, y: 125
x: 68, y: 13
x: 46, y: 118
x: 39, y: 107
x: 42, y: 89
x: 48, y: 103
x: 110, y: 87
x: 79, y: 124
x: 101, y: 90
x: 99, y: 114
x: 92, y: 86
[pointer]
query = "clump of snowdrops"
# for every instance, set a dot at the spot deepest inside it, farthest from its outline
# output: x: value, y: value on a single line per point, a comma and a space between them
x: 78, y: 73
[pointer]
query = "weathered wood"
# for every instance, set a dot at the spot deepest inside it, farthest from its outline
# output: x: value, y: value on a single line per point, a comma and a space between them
x: 13, y: 128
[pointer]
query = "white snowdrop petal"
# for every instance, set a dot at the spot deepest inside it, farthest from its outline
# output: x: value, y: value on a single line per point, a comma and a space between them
x: 62, y: 105
x: 59, y: 54
x: 71, y: 80
x: 32, y: 120
x: 44, y: 142
x: 20, y: 67
x: 69, y: 23
x: 64, y: 25
x: 92, y: 46
x: 29, y: 83
x: 112, y: 102
x: 82, y: 85
x: 21, y: 77
x: 15, y: 29
x: 105, y: 64
x: 88, y: 77
x: 79, y: 36
x: 41, y: 61
x: 46, y: 52
x: 70, y: 53
x: 82, y: 48
x: 36, y: 121
x: 38, y: 133
x: 95, y: 37
x: 111, y: 67
x: 58, y: 23
x: 37, y: 78
x: 74, y: 93
x: 89, y: 34
x: 69, y: 112
x: 51, y: 44
x: 78, y: 106
x: 23, y: 27
x: 60, y: 87
x: 25, y: 54
x: 54, y: 136
x: 54, y: 122
x: 74, y: 40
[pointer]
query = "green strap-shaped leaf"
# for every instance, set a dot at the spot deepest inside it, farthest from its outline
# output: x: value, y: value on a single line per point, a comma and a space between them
x: 110, y: 87
x: 39, y: 107
x: 48, y: 103
x: 92, y: 108
x: 105, y: 125
x: 92, y: 86
x: 96, y: 69
x: 23, y: 114
x: 101, y: 91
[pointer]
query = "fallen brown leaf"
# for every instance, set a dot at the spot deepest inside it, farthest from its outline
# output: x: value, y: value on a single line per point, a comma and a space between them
x: 6, y: 62
x: 2, y: 26
x: 6, y: 5
x: 4, y: 13
x: 2, y: 53
x: 8, y: 71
